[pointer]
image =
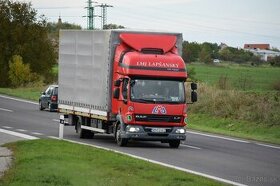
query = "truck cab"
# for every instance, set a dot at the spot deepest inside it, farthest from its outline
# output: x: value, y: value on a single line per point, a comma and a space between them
x: 149, y: 90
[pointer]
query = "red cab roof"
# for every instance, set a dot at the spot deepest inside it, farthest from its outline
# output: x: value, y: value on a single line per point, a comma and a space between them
x: 140, y: 41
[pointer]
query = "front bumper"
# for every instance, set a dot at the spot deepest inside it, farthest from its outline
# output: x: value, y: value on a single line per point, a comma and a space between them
x: 146, y: 134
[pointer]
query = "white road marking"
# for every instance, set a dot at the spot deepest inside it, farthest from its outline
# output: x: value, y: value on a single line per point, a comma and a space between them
x: 192, y: 147
x: 21, y: 130
x: 232, y: 139
x: 18, y: 134
x: 163, y: 164
x: 37, y: 133
x: 53, y: 137
x: 16, y: 99
x: 7, y: 110
x: 219, y: 137
x: 56, y: 120
x: 7, y: 127
x: 265, y: 145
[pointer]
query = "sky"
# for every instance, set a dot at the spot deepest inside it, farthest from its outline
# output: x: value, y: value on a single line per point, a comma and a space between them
x: 234, y: 22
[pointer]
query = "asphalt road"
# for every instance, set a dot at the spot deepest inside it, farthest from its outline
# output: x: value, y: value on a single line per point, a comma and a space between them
x: 239, y: 161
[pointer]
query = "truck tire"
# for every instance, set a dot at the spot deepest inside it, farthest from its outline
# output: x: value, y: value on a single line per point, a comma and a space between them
x: 81, y: 132
x: 120, y: 141
x: 90, y: 134
x: 174, y: 143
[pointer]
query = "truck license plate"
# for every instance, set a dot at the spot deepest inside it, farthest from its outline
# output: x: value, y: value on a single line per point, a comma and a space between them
x: 158, y: 130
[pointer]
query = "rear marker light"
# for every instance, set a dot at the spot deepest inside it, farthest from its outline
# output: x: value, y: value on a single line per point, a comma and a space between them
x: 53, y: 98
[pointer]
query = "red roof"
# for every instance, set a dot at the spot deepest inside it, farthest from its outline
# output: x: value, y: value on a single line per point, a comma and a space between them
x: 257, y: 46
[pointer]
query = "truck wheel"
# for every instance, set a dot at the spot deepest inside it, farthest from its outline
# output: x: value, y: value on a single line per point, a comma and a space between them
x: 81, y: 132
x: 90, y: 135
x: 120, y: 141
x: 174, y: 143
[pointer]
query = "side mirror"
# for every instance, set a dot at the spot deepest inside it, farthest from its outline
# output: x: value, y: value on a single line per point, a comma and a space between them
x: 43, y: 93
x: 193, y: 86
x: 117, y: 83
x: 194, y: 96
x: 116, y: 93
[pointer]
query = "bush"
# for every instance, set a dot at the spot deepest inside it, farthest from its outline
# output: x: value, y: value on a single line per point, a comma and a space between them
x: 276, y: 85
x: 258, y: 108
x: 191, y: 73
x: 275, y: 61
x: 223, y: 82
x: 19, y: 73
x: 244, y: 81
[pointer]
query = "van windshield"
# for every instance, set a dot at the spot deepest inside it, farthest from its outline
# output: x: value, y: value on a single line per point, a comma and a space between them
x: 157, y: 91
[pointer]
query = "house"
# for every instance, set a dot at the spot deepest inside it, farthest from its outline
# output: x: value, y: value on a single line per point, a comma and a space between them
x: 261, y: 50
x: 223, y: 46
x: 264, y: 54
x: 257, y: 46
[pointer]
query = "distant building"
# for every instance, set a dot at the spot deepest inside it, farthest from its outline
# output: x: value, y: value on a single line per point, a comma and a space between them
x: 222, y: 46
x: 261, y: 50
x: 264, y: 54
x: 59, y: 22
x: 257, y: 46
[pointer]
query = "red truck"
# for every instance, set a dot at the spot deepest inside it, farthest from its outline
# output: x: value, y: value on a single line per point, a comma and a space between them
x: 127, y: 83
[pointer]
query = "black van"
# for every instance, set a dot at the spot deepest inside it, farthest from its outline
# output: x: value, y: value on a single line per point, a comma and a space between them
x: 48, y: 98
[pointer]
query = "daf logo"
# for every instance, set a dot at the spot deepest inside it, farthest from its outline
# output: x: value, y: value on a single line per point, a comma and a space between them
x: 159, y: 109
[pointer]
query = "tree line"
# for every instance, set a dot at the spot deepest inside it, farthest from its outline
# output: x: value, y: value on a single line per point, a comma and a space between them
x: 28, y: 45
x: 206, y: 52
x: 23, y: 38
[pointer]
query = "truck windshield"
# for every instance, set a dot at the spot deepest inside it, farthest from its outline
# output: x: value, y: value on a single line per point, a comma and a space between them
x: 157, y: 91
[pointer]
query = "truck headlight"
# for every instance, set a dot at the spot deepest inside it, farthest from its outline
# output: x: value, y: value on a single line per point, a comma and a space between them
x: 133, y: 129
x: 180, y: 131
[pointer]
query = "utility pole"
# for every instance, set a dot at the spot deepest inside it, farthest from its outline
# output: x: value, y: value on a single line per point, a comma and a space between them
x: 90, y: 14
x: 104, y: 14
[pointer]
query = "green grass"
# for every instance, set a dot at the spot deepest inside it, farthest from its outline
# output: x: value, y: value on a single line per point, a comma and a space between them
x: 32, y: 93
x: 53, y: 162
x: 235, y: 128
x: 259, y: 78
x: 55, y: 69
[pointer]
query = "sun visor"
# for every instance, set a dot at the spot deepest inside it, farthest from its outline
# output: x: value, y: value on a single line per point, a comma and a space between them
x: 149, y: 41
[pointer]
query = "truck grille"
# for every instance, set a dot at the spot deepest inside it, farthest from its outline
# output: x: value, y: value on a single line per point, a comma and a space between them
x: 157, y: 118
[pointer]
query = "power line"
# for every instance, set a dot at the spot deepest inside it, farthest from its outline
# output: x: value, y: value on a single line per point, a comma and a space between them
x: 104, y: 14
x: 59, y: 7
x: 90, y: 14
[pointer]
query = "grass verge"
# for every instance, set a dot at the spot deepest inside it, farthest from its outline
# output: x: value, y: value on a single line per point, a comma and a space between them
x: 235, y: 128
x: 53, y: 162
x: 238, y: 77
x: 32, y: 93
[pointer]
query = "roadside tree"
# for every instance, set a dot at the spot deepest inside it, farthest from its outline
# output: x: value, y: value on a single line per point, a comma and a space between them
x: 23, y: 34
x: 19, y: 73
